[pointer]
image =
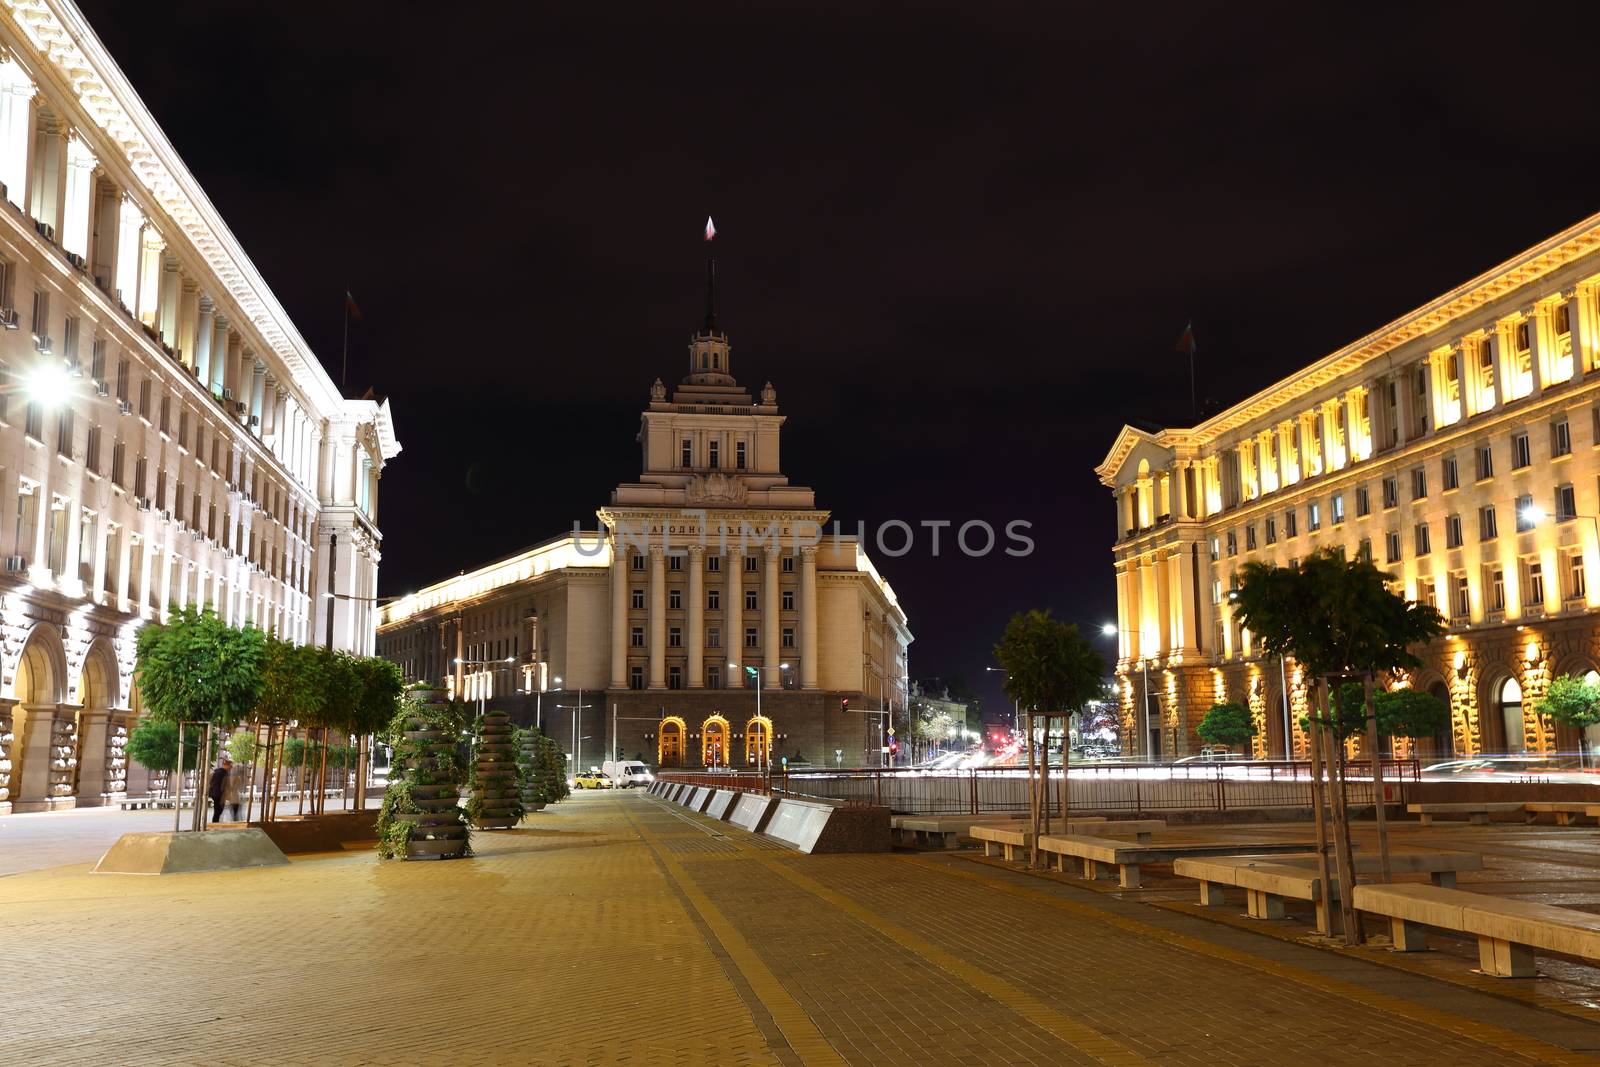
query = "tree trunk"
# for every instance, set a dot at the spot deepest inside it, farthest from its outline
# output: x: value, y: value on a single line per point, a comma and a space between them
x: 1033, y: 800
x: 1319, y: 801
x: 1066, y: 771
x: 1377, y: 783
x: 1342, y: 850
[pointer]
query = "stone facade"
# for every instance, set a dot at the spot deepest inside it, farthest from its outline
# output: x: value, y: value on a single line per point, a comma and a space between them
x: 709, y: 574
x: 166, y: 436
x: 1458, y: 447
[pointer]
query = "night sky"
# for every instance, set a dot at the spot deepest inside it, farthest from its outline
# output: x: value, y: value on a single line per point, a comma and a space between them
x: 961, y: 240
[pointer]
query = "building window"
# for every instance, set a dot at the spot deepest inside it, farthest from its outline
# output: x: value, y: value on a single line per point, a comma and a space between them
x: 714, y: 454
x: 713, y: 563
x: 638, y: 600
x: 1291, y: 526
x: 1560, y: 439
x: 1524, y: 513
x: 713, y: 600
x: 1576, y: 584
x: 738, y: 455
x: 1485, y: 462
x: 1452, y: 531
x: 788, y: 564
x: 750, y: 637
x: 674, y: 677
x: 713, y: 677
x: 1521, y: 454
x: 1314, y: 516
x: 638, y: 561
x: 1216, y: 550
x: 33, y: 421
x: 788, y: 637
x: 1497, y: 587
x: 1233, y: 543
x: 1391, y: 491
x: 1363, y: 502
x: 1425, y: 592
x: 636, y: 637
x: 1336, y: 507
x: 1392, y: 546
x: 674, y: 637
x: 635, y: 677
x: 1419, y: 483
x: 1488, y: 529
x: 1423, y: 543
x: 686, y: 453
x: 788, y: 599
x: 675, y: 599
x: 750, y: 602
x: 1566, y: 503
x: 1271, y: 525
x: 119, y: 454
x: 1460, y: 596
x: 1450, y: 476
x: 1364, y: 550
x: 674, y: 563
x: 750, y: 563
x: 713, y: 637
x: 1533, y: 578
x: 64, y: 432
x: 41, y: 319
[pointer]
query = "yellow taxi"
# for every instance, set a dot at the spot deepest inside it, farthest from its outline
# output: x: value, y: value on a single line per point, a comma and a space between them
x: 591, y: 780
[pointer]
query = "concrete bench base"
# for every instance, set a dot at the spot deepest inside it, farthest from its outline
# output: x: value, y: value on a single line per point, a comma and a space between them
x: 1477, y: 813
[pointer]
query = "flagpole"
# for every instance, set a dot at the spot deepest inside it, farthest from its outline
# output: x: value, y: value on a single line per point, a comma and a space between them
x: 344, y: 360
x: 1194, y: 409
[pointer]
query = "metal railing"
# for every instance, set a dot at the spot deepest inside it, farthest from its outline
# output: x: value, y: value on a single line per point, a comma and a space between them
x: 1151, y: 787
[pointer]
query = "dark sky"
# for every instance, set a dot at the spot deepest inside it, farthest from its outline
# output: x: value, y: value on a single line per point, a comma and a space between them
x: 960, y: 239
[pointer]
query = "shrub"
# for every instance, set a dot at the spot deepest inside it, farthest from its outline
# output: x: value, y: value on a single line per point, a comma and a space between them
x: 1228, y: 724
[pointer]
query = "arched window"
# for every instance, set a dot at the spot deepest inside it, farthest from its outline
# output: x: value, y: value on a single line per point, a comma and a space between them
x: 716, y: 361
x: 1442, y: 742
x: 1511, y: 715
x: 702, y: 361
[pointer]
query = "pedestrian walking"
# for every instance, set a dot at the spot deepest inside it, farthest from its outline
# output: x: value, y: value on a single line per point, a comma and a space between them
x: 234, y: 789
x: 216, y: 786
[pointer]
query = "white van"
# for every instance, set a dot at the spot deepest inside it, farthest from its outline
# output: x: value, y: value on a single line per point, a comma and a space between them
x: 627, y: 772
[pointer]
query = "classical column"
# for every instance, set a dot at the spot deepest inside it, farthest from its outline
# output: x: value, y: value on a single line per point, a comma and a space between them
x: 696, y: 638
x: 1582, y: 331
x: 1495, y: 342
x: 219, y: 354
x: 733, y: 616
x: 771, y: 676
x: 1532, y: 315
x: 205, y: 330
x: 658, y: 617
x: 619, y: 613
x: 69, y: 581
x: 808, y: 617
x: 34, y: 728
x: 92, y: 756
x: 1163, y: 602
x: 1133, y: 635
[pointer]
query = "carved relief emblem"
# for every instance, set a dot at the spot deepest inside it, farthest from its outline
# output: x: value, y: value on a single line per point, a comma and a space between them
x: 716, y: 488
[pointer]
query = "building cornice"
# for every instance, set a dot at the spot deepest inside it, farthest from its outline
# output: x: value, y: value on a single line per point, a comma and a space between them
x: 61, y: 34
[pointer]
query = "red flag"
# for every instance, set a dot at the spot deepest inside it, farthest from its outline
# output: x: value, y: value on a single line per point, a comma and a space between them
x: 1186, y: 341
x: 350, y: 307
x: 711, y: 229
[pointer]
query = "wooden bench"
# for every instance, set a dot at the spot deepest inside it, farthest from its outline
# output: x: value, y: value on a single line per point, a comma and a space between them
x: 998, y: 837
x: 1566, y: 812
x: 1268, y: 881
x: 1094, y: 851
x: 1477, y: 812
x: 944, y: 831
x: 1507, y: 930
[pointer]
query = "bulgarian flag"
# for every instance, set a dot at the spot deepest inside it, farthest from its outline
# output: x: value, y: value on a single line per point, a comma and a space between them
x: 1186, y: 341
x: 711, y: 228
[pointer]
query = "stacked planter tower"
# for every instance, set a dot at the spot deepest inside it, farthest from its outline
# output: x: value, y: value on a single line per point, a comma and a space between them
x: 421, y: 816
x: 496, y: 801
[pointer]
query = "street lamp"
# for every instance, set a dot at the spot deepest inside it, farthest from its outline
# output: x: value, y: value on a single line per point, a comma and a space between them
x: 1111, y: 629
x: 755, y: 672
x: 577, y: 742
x: 481, y: 663
x: 1016, y: 707
x: 49, y: 385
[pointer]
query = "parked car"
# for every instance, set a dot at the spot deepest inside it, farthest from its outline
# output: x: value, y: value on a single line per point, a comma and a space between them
x: 627, y: 773
x: 591, y: 779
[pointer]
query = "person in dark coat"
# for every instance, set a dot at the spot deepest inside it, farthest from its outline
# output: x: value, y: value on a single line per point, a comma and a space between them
x: 216, y: 787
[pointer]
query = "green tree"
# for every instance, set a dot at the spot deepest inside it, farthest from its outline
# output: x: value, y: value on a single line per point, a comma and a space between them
x: 1228, y: 724
x: 1411, y: 713
x: 1339, y: 619
x: 291, y: 683
x: 195, y: 667
x: 1571, y: 702
x: 1050, y: 669
x: 153, y: 743
x: 242, y: 747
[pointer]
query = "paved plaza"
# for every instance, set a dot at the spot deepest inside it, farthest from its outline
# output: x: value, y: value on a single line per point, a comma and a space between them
x: 614, y: 929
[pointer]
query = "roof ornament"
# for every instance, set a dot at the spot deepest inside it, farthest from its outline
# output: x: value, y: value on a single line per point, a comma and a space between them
x: 769, y: 396
x: 658, y: 391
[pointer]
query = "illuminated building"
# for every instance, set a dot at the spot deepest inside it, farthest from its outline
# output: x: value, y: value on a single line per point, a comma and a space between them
x: 710, y: 558
x: 166, y: 435
x: 1457, y: 447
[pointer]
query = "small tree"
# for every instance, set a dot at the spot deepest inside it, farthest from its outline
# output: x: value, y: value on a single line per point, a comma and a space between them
x: 1051, y: 669
x: 1411, y: 713
x: 153, y: 743
x: 195, y: 667
x: 1571, y: 701
x: 1228, y: 724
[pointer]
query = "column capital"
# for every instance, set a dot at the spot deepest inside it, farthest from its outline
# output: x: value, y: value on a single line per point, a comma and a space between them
x: 657, y: 551
x: 697, y: 549
x: 771, y: 551
x: 808, y: 552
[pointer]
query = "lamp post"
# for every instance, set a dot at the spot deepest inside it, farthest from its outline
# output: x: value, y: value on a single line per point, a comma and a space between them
x: 1016, y: 708
x: 1111, y: 629
x: 755, y: 672
x: 577, y: 742
x: 482, y: 663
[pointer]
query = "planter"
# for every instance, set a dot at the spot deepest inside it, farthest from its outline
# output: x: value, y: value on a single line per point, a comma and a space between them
x: 421, y: 796
x: 496, y: 799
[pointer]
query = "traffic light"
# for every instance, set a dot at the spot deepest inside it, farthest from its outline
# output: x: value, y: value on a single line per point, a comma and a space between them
x: 894, y: 747
x: 844, y: 703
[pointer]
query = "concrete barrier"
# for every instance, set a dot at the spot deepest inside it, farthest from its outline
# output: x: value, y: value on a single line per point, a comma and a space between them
x: 700, y: 798
x: 751, y: 810
x: 813, y: 827
x: 721, y: 804
x: 182, y: 853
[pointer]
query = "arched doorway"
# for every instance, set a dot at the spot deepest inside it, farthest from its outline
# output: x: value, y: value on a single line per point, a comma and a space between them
x: 1443, y: 745
x: 102, y: 731
x: 40, y: 726
x: 758, y: 741
x: 669, y: 742
x: 1508, y: 699
x: 714, y: 742
x: 1591, y: 734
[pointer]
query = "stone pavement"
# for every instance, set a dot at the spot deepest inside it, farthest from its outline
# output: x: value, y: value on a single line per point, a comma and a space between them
x: 613, y: 929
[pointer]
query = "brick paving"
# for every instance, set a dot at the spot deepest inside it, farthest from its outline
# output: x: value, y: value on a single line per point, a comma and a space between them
x: 614, y: 929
